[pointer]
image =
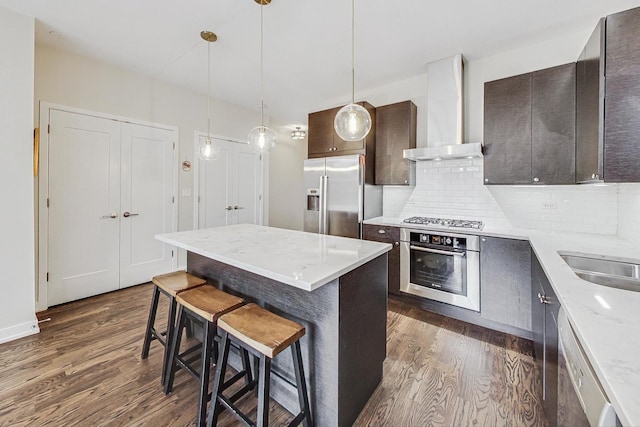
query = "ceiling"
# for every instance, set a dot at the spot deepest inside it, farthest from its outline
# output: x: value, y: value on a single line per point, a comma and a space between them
x: 307, y: 44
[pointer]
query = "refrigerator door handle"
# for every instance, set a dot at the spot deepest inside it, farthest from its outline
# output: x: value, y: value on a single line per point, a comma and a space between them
x: 324, y: 217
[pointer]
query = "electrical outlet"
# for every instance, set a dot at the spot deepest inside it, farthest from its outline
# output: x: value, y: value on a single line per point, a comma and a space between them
x: 550, y: 205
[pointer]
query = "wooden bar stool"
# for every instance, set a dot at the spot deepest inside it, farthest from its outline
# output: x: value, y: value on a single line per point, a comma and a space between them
x: 264, y: 334
x: 170, y: 284
x: 203, y: 305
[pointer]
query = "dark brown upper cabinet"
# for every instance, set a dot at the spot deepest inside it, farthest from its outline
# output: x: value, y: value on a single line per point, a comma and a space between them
x: 507, y: 131
x: 323, y: 141
x: 622, y: 97
x: 608, y: 118
x: 395, y: 132
x: 529, y: 128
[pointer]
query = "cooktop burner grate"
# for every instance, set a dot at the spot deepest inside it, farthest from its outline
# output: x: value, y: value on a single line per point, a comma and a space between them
x: 445, y: 222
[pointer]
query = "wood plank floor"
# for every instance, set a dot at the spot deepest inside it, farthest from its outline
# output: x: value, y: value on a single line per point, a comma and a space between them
x: 84, y: 369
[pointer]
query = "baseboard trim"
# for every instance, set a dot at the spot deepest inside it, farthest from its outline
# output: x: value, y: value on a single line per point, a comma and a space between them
x: 19, y: 331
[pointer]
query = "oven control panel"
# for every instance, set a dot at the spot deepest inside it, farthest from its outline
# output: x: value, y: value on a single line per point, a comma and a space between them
x: 438, y: 240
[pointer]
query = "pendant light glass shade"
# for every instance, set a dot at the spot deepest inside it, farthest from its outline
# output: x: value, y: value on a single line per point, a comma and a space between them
x: 262, y: 139
x: 207, y: 150
x: 353, y: 121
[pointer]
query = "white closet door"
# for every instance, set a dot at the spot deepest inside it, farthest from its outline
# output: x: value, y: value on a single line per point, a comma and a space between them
x: 84, y: 195
x: 248, y: 180
x: 215, y: 207
x: 230, y: 187
x: 146, y: 202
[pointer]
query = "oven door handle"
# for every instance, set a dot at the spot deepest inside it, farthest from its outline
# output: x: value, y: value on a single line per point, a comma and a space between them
x: 436, y: 251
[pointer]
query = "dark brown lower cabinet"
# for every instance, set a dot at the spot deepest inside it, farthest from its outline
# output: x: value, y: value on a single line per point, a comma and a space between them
x: 505, y: 278
x: 386, y: 234
x: 544, y: 320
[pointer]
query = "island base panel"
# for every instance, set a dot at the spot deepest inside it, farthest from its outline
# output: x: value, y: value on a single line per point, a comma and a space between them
x: 345, y: 341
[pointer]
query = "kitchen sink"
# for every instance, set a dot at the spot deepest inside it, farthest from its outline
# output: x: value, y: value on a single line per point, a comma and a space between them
x: 605, y: 272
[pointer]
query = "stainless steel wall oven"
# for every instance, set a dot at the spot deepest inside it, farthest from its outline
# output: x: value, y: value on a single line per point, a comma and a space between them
x: 441, y: 266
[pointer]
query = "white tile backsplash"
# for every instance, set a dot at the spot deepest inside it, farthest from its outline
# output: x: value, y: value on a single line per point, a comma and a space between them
x: 629, y: 212
x: 455, y: 189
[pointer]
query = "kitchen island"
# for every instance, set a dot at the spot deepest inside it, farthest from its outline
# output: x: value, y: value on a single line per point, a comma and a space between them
x: 336, y: 287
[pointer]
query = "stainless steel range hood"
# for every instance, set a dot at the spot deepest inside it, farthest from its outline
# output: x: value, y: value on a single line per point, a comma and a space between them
x: 444, y: 114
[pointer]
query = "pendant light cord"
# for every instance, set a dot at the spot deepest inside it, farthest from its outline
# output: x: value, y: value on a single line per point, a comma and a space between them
x: 261, y: 84
x: 353, y: 50
x: 208, y: 92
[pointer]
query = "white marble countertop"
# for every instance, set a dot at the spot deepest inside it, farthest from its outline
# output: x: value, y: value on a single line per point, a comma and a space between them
x: 606, y: 320
x: 303, y: 260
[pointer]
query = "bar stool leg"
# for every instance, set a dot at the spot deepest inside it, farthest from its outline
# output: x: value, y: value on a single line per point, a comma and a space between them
x: 207, y: 341
x: 150, y: 322
x: 301, y: 384
x: 175, y: 349
x: 221, y: 368
x: 263, y: 391
x: 171, y: 327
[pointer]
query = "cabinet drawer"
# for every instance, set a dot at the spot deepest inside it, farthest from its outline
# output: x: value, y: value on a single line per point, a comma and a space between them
x: 381, y: 233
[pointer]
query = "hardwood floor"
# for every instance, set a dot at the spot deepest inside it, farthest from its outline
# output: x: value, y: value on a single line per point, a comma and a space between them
x: 84, y: 368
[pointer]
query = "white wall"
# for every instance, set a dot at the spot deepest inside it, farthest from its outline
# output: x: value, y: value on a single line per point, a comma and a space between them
x: 17, y: 292
x: 629, y: 212
x: 286, y: 180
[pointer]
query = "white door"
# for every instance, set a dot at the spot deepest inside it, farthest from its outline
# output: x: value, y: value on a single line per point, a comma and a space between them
x: 84, y: 206
x: 146, y: 202
x: 214, y: 187
x: 230, y: 187
x: 110, y: 191
x: 248, y: 180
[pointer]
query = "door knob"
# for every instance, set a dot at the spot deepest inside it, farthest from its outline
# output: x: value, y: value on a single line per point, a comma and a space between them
x: 229, y: 208
x: 238, y: 207
x: 111, y: 215
x: 127, y: 214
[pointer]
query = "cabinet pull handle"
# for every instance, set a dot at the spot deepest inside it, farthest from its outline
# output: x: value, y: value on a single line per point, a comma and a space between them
x: 396, y: 244
x: 381, y: 232
x: 544, y: 299
x: 536, y: 179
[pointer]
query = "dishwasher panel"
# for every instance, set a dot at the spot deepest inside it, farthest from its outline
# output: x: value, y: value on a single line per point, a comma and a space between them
x: 578, y: 385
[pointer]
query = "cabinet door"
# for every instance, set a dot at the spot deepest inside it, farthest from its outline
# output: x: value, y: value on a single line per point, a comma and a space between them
x: 537, y: 319
x: 553, y: 141
x: 507, y: 131
x: 544, y: 312
x: 395, y: 132
x: 390, y: 235
x: 622, y: 119
x: 551, y: 358
x: 505, y: 281
x: 590, y: 108
x: 321, y: 133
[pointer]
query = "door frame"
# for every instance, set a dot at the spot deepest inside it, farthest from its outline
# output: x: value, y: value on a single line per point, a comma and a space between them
x: 42, y: 188
x: 264, y: 166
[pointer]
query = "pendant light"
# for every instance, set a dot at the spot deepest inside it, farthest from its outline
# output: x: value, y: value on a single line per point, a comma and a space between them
x: 206, y: 148
x: 261, y: 138
x: 353, y: 121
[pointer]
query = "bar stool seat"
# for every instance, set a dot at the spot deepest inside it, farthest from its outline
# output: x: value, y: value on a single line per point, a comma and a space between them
x: 170, y: 284
x: 203, y: 305
x: 264, y: 334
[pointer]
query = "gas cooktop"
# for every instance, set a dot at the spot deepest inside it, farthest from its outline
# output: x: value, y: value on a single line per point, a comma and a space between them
x: 444, y: 222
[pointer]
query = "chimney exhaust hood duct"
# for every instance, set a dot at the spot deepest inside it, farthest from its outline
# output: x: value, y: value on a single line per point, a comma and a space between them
x: 444, y: 114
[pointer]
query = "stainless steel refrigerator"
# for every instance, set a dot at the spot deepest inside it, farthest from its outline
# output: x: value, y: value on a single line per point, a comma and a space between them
x: 338, y: 199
